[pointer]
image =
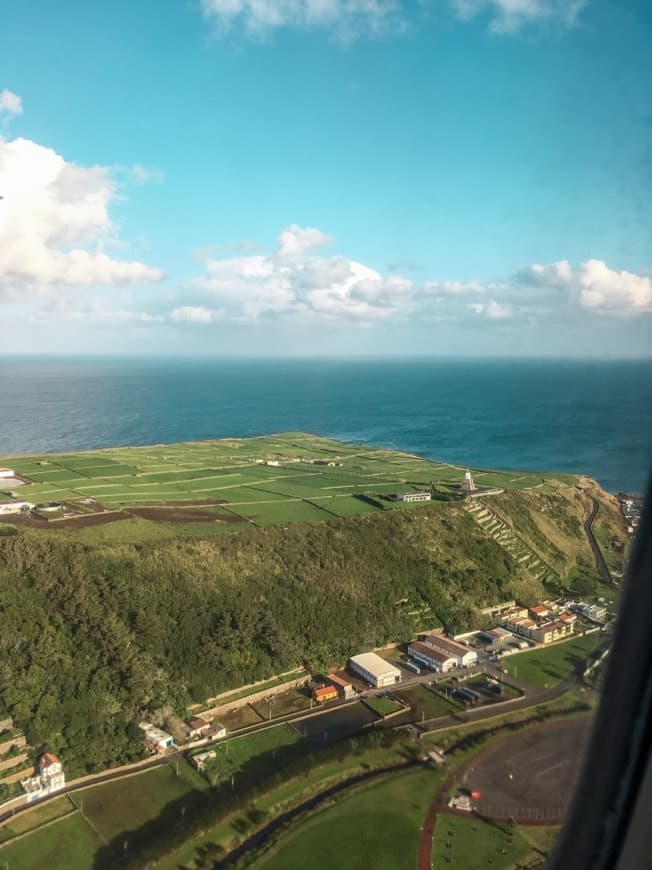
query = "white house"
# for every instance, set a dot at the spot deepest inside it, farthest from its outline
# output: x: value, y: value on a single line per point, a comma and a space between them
x: 7, y: 472
x: 412, y: 496
x: 375, y: 670
x: 50, y: 778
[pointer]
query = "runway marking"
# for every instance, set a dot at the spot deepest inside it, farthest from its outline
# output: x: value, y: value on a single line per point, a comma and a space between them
x: 554, y: 767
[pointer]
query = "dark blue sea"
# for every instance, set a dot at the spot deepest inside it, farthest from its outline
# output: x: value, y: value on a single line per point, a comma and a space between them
x: 591, y: 417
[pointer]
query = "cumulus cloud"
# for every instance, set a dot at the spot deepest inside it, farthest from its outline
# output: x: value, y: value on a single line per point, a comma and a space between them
x: 10, y: 104
x: 593, y: 286
x: 299, y: 280
x: 54, y: 222
x: 348, y: 19
x: 507, y: 16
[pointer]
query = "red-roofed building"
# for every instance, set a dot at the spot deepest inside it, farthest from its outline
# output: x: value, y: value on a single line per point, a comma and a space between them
x: 433, y: 658
x: 324, y: 693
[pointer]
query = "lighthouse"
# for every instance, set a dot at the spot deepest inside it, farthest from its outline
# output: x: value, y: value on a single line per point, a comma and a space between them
x: 468, y: 485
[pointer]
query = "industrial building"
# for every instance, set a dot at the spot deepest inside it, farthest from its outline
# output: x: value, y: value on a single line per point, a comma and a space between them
x: 464, y: 656
x: 15, y: 507
x: 434, y: 659
x: 374, y: 670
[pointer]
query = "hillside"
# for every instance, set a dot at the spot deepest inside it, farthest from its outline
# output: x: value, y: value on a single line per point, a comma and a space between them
x: 98, y: 634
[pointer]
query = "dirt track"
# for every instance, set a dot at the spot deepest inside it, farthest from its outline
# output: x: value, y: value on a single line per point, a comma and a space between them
x: 180, y: 516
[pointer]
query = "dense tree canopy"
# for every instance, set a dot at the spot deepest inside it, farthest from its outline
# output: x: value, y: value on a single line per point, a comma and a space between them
x: 95, y: 637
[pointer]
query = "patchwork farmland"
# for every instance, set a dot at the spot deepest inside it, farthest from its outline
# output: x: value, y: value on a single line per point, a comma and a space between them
x: 215, y: 486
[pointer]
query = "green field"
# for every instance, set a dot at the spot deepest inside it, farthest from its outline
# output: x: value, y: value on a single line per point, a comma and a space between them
x: 426, y: 703
x: 35, y: 818
x: 473, y: 844
x: 125, y: 804
x: 255, y: 755
x: 377, y: 827
x: 547, y: 667
x: 382, y: 706
x: 234, y: 471
x: 69, y: 843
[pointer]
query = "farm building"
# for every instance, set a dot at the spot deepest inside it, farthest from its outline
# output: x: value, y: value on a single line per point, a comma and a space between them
x: 344, y: 688
x: 412, y: 496
x: 50, y: 777
x: 324, y: 693
x: 465, y: 657
x: 433, y: 658
x: 375, y: 670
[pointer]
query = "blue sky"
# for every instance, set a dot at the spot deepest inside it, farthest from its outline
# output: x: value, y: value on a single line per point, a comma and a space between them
x: 327, y: 177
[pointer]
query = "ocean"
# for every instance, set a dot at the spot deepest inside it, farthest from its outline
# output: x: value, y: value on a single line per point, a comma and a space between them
x: 589, y: 417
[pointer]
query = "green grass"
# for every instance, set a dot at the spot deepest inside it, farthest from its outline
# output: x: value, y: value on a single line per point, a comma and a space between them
x: 476, y: 844
x: 35, y: 818
x: 128, y: 803
x: 377, y: 827
x: 382, y: 706
x: 254, y: 755
x: 547, y: 667
x: 64, y: 845
x: 426, y: 703
x: 229, y: 697
x: 230, y: 470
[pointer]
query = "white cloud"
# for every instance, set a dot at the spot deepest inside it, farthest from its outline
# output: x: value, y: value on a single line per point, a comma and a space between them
x: 10, y: 104
x: 54, y: 222
x: 594, y: 286
x: 297, y: 280
x: 507, y: 16
x: 348, y: 19
x: 295, y: 240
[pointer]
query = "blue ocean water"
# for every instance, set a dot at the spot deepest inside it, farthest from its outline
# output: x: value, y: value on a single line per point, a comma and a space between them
x: 591, y: 417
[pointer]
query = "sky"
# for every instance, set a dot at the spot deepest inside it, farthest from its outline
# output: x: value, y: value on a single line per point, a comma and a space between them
x: 327, y: 177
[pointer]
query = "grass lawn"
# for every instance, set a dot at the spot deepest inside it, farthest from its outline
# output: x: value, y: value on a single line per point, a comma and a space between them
x: 426, y: 703
x: 382, y: 706
x: 377, y: 827
x: 255, y: 755
x: 35, y: 818
x: 69, y: 843
x: 547, y: 667
x: 128, y: 803
x: 270, y: 513
x: 286, y: 702
x: 475, y: 844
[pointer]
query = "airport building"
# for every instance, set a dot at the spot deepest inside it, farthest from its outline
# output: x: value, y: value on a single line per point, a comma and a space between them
x: 374, y: 670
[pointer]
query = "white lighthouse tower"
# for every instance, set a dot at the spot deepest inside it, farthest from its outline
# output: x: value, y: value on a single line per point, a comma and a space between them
x: 468, y: 485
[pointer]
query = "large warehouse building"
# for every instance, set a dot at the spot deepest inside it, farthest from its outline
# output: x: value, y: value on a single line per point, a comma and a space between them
x: 466, y: 657
x: 433, y: 658
x: 375, y: 670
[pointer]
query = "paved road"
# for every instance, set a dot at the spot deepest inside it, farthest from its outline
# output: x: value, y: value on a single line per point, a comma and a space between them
x: 603, y: 568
